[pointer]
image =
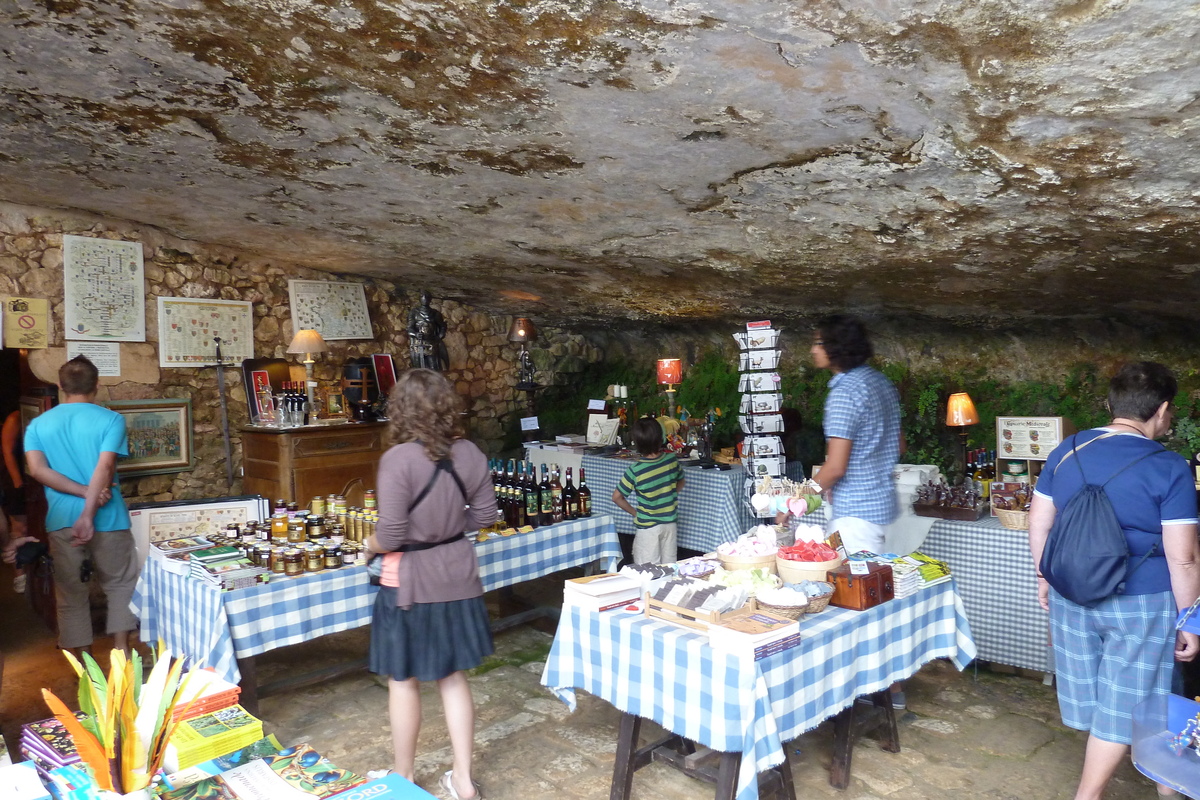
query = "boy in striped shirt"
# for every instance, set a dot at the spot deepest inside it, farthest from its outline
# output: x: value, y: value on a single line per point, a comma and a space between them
x: 656, y: 478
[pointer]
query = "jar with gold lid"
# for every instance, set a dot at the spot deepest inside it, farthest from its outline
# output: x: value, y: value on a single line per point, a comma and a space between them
x: 317, y: 506
x: 369, y: 499
x: 333, y: 557
x: 316, y: 527
x: 276, y: 557
x: 297, y: 532
x: 293, y: 561
x: 279, y: 527
x: 314, y: 558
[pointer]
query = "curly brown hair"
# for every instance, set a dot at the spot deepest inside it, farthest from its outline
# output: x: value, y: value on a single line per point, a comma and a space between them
x: 423, y: 407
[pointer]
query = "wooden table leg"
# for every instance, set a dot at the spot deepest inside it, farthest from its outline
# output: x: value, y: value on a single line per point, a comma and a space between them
x: 891, y: 735
x: 249, y: 696
x: 623, y: 767
x: 727, y: 776
x: 843, y: 747
x: 785, y: 774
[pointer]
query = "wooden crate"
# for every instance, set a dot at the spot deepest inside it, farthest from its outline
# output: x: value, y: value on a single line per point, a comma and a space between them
x: 690, y: 618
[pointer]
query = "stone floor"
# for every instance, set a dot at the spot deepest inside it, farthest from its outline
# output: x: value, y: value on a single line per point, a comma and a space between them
x: 974, y: 734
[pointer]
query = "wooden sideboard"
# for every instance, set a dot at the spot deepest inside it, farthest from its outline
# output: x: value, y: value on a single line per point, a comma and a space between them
x: 300, y: 463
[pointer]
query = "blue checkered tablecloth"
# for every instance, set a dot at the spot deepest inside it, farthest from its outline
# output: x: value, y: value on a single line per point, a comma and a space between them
x: 669, y: 674
x: 214, y: 628
x: 713, y: 507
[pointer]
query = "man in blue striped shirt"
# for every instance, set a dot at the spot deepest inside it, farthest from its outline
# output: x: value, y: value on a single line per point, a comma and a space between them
x: 862, y: 435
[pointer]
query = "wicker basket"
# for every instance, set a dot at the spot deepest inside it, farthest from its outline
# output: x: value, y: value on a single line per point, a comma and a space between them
x: 818, y: 604
x: 1013, y: 520
x: 791, y: 612
x: 766, y: 562
x: 797, y: 571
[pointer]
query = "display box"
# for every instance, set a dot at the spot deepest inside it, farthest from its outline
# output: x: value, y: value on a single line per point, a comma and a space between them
x: 943, y: 512
x: 1031, y: 438
x: 860, y: 592
x: 759, y: 382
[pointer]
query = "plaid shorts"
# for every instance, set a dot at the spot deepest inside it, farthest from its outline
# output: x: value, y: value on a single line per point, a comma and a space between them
x: 1110, y: 658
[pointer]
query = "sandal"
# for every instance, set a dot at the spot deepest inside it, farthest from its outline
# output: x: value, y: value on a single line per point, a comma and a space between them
x: 448, y: 787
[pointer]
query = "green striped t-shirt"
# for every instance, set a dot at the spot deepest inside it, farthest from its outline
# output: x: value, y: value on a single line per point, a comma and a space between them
x: 653, y: 479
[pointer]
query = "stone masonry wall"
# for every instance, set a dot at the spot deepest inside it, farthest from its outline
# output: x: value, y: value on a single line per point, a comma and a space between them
x: 482, y: 360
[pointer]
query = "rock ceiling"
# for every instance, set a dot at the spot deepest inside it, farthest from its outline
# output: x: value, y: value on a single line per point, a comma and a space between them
x: 989, y: 162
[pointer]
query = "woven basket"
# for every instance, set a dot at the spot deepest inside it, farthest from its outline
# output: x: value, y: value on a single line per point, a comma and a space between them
x: 818, y: 604
x: 791, y: 612
x: 766, y: 562
x: 1013, y: 520
x: 797, y: 571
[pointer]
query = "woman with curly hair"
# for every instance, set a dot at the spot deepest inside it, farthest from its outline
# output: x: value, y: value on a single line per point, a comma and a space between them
x: 430, y: 622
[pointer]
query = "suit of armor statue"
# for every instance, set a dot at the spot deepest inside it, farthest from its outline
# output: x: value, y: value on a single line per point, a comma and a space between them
x: 426, y: 331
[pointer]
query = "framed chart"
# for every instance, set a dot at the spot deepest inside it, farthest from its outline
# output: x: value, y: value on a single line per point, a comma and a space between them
x: 334, y: 310
x: 188, y: 326
x: 104, y: 290
x: 159, y: 433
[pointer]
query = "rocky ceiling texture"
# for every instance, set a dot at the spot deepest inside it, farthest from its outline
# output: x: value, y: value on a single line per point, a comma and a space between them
x: 988, y: 162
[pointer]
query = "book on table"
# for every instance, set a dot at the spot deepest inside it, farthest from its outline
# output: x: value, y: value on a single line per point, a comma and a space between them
x: 758, y: 633
x: 209, y: 736
x: 601, y: 592
x: 294, y: 773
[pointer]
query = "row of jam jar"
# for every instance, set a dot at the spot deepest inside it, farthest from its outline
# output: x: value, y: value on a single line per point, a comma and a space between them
x: 287, y: 559
x: 358, y: 525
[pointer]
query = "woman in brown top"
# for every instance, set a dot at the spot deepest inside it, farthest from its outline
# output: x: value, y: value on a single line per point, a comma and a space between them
x: 430, y: 622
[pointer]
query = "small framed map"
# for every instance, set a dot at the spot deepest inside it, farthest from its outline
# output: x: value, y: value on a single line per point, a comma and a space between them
x: 104, y: 290
x: 334, y: 310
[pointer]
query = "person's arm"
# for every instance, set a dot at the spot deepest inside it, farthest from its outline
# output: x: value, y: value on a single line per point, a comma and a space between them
x: 102, y: 478
x: 1041, y: 517
x: 1183, y: 562
x: 622, y: 503
x: 837, y: 459
x: 39, y: 469
x: 8, y: 442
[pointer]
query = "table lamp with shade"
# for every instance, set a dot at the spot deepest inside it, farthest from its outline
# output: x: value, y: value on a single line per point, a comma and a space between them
x: 308, y: 342
x: 670, y: 373
x: 961, y: 413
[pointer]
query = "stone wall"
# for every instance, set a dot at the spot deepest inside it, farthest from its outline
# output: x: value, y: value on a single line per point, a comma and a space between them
x: 482, y: 360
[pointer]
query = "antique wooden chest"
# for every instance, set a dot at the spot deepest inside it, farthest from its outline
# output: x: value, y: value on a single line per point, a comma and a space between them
x: 859, y: 592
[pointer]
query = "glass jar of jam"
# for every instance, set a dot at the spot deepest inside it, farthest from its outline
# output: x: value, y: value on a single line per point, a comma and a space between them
x: 369, y: 499
x: 333, y: 557
x: 317, y: 506
x: 314, y: 558
x: 337, y: 533
x: 277, y: 557
x: 293, y: 561
x: 316, y: 527
x: 279, y: 527
x: 297, y: 532
x: 349, y: 556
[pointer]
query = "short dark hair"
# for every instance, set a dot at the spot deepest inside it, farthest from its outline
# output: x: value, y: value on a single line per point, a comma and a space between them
x: 1139, y: 388
x: 647, y: 436
x: 845, y: 341
x: 79, y: 376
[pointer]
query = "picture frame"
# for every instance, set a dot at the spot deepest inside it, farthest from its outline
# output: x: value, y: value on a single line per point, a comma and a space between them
x: 160, y: 436
x: 335, y: 405
x: 31, y: 407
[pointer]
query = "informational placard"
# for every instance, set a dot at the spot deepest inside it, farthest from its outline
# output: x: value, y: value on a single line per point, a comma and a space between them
x: 187, y: 328
x: 105, y: 355
x: 595, y: 405
x: 26, y: 322
x: 104, y: 291
x: 334, y: 310
x: 529, y: 424
x: 1029, y: 437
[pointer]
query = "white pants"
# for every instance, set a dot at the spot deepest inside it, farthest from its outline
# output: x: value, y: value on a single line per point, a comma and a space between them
x: 858, y: 534
x: 655, y: 545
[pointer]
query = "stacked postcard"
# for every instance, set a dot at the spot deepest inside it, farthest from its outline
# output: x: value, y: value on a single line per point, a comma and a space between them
x: 211, y: 735
x: 915, y: 571
x: 226, y: 568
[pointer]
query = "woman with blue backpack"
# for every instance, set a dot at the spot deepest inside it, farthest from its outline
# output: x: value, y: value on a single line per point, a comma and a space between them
x: 1113, y: 532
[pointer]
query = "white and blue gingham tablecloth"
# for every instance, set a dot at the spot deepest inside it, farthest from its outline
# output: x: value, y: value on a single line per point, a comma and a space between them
x: 669, y: 674
x: 214, y: 628
x: 713, y: 506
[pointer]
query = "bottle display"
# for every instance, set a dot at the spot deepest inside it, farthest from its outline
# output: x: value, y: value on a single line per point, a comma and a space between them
x: 570, y: 498
x: 585, y: 496
x: 556, y: 496
x: 531, y: 498
x: 546, y: 495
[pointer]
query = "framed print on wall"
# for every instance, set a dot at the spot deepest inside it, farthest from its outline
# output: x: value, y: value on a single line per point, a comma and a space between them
x: 160, y: 436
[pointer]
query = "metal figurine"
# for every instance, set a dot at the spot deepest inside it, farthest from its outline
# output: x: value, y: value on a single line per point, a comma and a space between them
x: 426, y: 332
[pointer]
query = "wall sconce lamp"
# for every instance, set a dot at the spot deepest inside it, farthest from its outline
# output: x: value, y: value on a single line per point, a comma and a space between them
x: 961, y: 413
x: 308, y: 342
x: 670, y: 372
x: 523, y: 332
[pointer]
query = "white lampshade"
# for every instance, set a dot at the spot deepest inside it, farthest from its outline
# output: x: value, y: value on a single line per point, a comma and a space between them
x: 307, y: 341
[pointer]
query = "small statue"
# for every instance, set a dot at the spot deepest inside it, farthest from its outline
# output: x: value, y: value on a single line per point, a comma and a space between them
x: 426, y: 330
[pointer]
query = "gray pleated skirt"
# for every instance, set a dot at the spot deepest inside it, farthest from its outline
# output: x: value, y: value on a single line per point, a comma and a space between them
x: 429, y: 640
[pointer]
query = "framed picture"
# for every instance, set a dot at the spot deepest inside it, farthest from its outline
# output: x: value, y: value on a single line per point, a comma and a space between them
x: 385, y: 372
x: 160, y: 436
x: 31, y: 407
x: 335, y: 405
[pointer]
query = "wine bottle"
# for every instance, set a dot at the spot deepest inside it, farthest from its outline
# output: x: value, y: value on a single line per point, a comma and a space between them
x: 546, y: 497
x: 570, y: 498
x: 556, y: 495
x: 585, y: 496
x: 533, y: 508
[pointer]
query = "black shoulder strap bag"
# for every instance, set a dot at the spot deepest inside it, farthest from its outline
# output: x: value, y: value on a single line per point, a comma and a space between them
x: 375, y: 567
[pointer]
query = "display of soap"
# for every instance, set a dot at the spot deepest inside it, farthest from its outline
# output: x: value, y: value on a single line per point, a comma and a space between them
x: 698, y: 595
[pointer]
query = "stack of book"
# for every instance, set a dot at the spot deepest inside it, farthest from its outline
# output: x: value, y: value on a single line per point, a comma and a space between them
x: 267, y: 746
x: 173, y: 555
x: 758, y: 633
x: 203, y: 693
x: 915, y: 571
x: 225, y: 568
x: 209, y: 736
x: 601, y: 592
x: 21, y: 782
x: 292, y: 772
x: 48, y: 745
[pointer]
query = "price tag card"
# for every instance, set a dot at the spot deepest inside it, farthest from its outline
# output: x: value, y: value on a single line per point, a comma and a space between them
x: 595, y: 405
x: 860, y: 568
x: 529, y: 424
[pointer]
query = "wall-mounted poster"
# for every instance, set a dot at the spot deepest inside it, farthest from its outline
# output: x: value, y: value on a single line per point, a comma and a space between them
x: 187, y: 328
x: 27, y: 322
x: 160, y: 436
x: 103, y: 290
x: 334, y: 310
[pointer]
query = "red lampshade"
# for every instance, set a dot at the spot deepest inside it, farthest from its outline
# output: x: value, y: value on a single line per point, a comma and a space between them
x: 960, y: 410
x: 670, y: 370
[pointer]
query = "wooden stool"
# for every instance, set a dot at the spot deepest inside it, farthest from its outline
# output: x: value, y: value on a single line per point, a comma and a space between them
x: 849, y: 725
x: 692, y: 760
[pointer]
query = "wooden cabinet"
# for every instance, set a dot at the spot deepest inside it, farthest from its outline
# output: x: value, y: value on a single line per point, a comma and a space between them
x: 299, y: 463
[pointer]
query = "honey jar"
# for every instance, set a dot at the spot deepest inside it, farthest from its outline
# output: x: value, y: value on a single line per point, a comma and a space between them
x: 297, y: 532
x: 279, y: 527
x: 333, y: 557
x: 314, y: 558
x: 277, y: 557
x: 317, y: 506
x: 316, y: 527
x: 293, y: 561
